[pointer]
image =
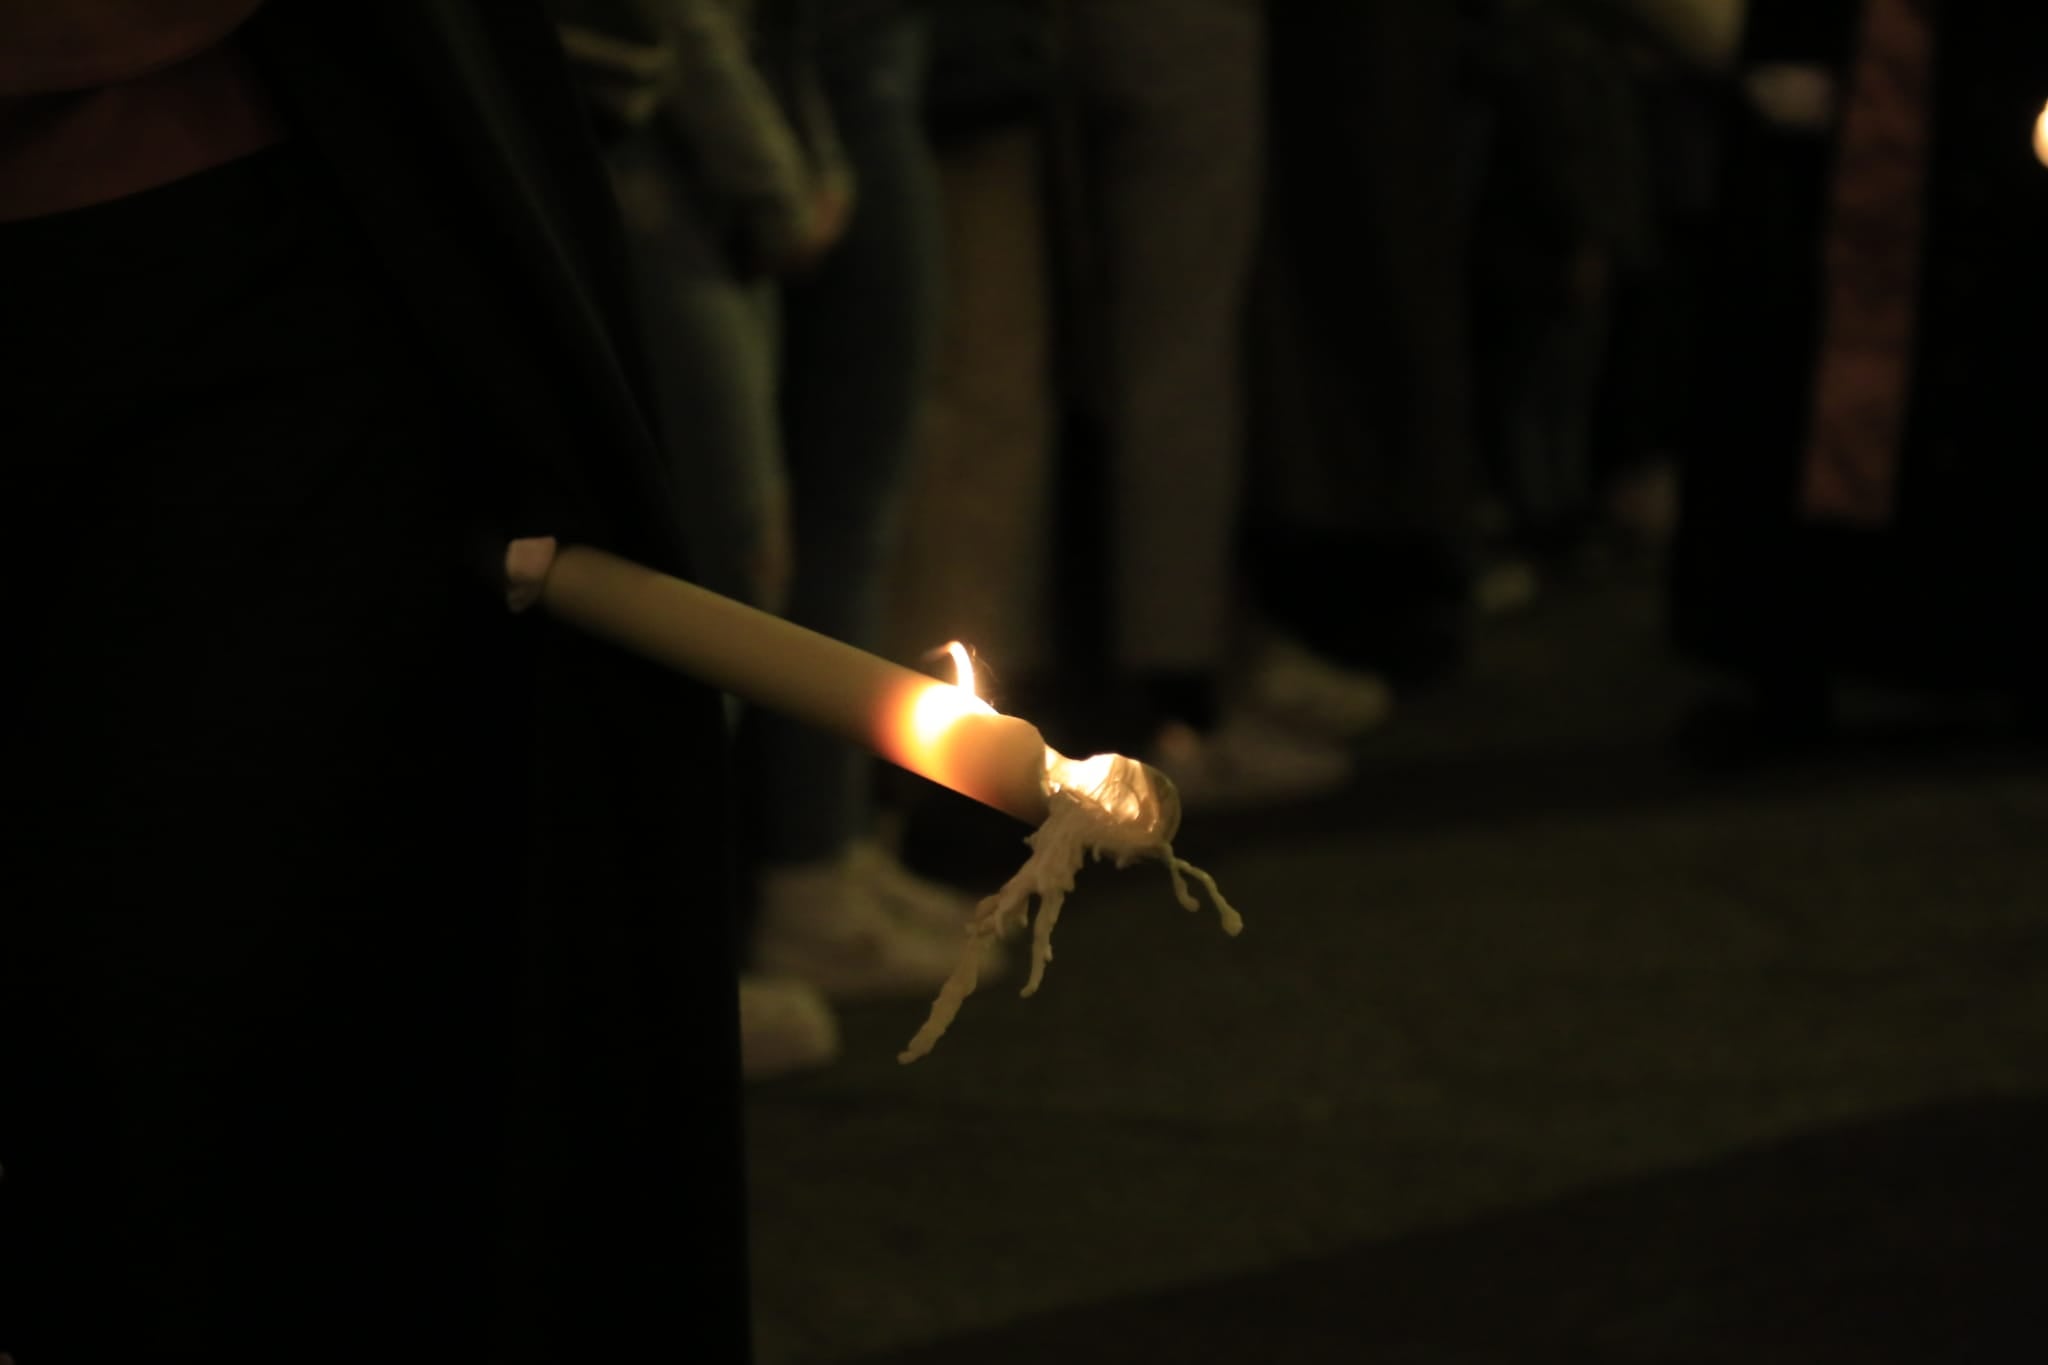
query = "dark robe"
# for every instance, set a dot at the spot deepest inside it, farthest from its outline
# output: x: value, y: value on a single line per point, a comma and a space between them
x: 1948, y: 586
x: 366, y: 989
x: 1363, y: 470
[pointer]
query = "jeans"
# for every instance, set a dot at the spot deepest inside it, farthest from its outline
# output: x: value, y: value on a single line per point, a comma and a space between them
x: 858, y: 336
x: 1175, y: 95
x: 791, y: 412
x: 711, y: 336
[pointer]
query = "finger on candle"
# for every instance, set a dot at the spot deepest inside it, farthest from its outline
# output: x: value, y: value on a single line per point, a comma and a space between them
x: 527, y: 562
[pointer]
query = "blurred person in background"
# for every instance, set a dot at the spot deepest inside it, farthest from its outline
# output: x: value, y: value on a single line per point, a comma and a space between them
x: 1362, y: 499
x: 1863, y: 483
x: 780, y: 202
x: 364, y: 962
x: 858, y: 338
x: 1172, y: 97
x: 1646, y: 391
x: 731, y: 178
x: 1595, y: 178
x: 1565, y: 215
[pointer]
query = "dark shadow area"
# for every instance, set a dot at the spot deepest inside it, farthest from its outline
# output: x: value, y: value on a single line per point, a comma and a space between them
x: 1911, y: 1238
x: 1579, y: 708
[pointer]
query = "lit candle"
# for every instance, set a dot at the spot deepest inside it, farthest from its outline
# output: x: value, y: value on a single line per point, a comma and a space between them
x: 1107, y: 806
x: 937, y: 730
x: 2041, y: 136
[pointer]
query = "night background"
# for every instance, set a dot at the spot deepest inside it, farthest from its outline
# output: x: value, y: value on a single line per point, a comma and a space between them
x: 1558, y: 486
x: 1667, y: 982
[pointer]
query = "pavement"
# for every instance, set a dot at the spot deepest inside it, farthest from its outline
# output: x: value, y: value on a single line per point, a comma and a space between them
x: 1543, y: 1044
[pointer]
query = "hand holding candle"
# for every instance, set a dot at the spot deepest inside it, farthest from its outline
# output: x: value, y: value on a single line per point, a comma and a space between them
x: 1107, y: 806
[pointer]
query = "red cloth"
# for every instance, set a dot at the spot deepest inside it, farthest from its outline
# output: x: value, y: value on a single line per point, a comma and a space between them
x: 1871, y: 271
x: 100, y: 99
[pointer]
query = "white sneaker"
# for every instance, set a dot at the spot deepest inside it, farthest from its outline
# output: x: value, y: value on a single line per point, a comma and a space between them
x: 1248, y: 761
x: 911, y: 898
x: 922, y: 904
x: 785, y: 1027
x: 1301, y: 688
x: 1646, y: 505
x: 822, y: 925
x: 1505, y: 587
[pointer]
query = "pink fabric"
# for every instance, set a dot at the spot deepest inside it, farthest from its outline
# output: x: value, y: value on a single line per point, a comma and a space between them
x: 1871, y: 271
x: 100, y: 99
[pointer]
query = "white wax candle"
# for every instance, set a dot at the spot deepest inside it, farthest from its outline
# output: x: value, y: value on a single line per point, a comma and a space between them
x: 934, y: 729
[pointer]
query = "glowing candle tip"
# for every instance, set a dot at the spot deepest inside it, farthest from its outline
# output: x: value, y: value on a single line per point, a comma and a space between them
x: 963, y: 667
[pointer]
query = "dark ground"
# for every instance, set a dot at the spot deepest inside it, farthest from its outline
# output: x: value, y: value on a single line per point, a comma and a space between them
x: 1542, y: 1046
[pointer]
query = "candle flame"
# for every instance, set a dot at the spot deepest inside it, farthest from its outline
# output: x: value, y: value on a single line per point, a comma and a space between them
x: 963, y: 668
x: 2041, y: 136
x: 940, y: 705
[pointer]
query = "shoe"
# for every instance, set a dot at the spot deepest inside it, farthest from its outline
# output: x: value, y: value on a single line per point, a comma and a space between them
x: 1300, y: 688
x: 1644, y: 506
x: 1504, y: 587
x: 785, y: 1027
x: 924, y: 905
x: 1247, y: 761
x: 822, y: 925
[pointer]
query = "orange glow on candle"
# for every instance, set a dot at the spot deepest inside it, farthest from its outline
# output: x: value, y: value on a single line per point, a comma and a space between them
x: 956, y: 739
x: 939, y: 707
x: 2041, y: 136
x: 941, y: 732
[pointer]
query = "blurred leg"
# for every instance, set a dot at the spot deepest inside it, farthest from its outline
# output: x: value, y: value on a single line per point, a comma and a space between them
x: 712, y: 344
x: 858, y: 340
x: 1368, y: 119
x: 1176, y: 89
